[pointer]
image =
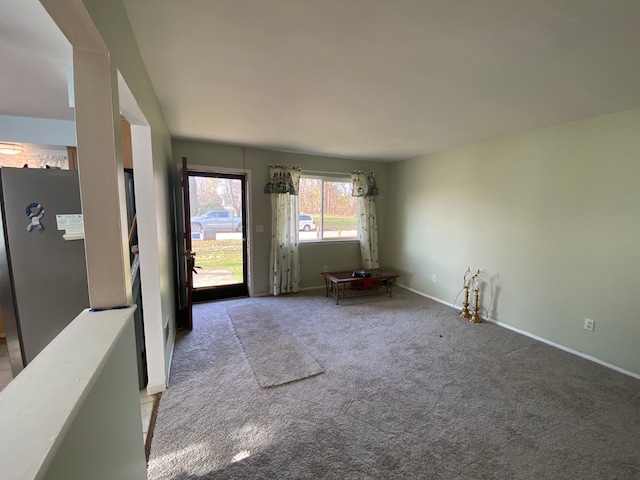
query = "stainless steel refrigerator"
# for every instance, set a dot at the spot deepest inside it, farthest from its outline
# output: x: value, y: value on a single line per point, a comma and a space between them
x: 43, y: 275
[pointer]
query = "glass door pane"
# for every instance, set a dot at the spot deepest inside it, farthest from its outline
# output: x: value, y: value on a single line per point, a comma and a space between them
x: 217, y: 230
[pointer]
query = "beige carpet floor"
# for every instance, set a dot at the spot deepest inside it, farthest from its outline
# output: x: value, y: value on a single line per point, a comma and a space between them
x: 274, y: 355
x: 410, y: 391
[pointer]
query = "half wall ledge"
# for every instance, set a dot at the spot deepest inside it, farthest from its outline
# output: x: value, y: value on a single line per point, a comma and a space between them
x: 74, y: 411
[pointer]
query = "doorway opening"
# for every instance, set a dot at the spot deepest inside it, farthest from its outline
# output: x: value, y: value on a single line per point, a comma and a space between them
x: 218, y: 235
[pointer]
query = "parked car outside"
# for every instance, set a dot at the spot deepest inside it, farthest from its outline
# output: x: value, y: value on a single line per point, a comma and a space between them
x: 216, y: 221
x: 306, y: 222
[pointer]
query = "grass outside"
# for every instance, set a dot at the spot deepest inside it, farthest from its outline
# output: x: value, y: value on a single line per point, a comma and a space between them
x: 227, y: 254
x: 220, y: 255
x: 335, y: 222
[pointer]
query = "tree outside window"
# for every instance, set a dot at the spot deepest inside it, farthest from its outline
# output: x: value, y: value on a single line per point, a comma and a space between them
x: 330, y: 204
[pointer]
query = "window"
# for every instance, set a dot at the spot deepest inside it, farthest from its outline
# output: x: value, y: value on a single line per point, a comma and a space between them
x: 327, y: 209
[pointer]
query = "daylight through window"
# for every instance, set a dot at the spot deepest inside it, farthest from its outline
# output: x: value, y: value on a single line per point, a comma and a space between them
x: 327, y: 209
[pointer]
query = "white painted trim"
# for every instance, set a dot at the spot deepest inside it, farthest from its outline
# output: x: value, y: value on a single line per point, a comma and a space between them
x: 316, y: 241
x: 306, y: 289
x: 530, y: 335
x: 101, y: 180
x: 169, y: 348
x: 74, y: 21
x: 153, y: 388
x: 146, y: 195
x: 422, y: 294
x: 562, y: 347
x: 319, y: 287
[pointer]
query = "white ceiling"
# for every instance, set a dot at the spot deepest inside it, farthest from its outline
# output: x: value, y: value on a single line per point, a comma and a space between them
x: 34, y: 55
x: 375, y: 79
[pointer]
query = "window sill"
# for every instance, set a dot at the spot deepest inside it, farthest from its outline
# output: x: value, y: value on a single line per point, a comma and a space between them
x: 329, y: 240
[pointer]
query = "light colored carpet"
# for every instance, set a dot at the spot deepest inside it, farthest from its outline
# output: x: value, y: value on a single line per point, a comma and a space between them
x: 410, y: 391
x: 274, y: 355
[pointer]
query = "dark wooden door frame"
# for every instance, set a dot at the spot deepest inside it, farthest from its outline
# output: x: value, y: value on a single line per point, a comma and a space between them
x: 188, y: 261
x: 234, y: 290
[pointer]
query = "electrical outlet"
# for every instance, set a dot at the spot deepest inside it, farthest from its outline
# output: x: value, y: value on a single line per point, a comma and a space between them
x: 589, y: 324
x: 325, y: 269
x: 435, y: 278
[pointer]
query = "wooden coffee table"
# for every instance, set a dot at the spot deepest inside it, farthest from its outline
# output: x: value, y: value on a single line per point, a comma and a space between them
x: 343, y: 284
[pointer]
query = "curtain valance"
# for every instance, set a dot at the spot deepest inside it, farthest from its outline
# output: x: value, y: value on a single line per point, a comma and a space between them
x: 283, y: 179
x: 364, y: 184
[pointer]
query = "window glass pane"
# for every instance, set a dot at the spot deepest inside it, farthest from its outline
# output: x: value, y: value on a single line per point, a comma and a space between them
x: 327, y: 209
x: 309, y: 203
x: 339, y: 211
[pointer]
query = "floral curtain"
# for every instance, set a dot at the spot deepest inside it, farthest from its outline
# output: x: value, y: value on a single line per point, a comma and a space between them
x: 284, y: 259
x: 365, y: 189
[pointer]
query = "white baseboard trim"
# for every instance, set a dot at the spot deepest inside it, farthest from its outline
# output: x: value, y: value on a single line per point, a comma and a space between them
x: 422, y: 294
x: 530, y: 335
x: 566, y: 349
x: 302, y: 290
x: 153, y: 388
x: 305, y: 289
x: 168, y: 369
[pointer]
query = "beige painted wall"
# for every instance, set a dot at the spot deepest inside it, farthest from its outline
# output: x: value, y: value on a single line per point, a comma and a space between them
x: 336, y: 255
x: 550, y: 216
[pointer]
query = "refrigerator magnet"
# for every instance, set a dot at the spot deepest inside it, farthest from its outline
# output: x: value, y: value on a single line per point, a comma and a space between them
x: 35, y: 212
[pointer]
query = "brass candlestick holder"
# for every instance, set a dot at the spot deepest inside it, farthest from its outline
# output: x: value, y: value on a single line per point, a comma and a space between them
x: 465, y: 305
x: 475, y: 316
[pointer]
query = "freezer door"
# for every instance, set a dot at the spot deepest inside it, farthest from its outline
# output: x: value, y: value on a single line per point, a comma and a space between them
x: 47, y: 274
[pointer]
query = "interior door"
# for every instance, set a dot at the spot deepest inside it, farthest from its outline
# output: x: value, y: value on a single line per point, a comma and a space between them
x: 188, y: 260
x: 219, y: 235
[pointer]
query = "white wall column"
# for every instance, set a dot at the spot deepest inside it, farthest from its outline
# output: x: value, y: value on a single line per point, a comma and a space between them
x: 101, y: 179
x: 154, y: 326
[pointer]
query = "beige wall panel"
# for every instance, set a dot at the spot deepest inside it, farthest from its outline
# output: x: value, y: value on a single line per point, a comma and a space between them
x: 551, y: 217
